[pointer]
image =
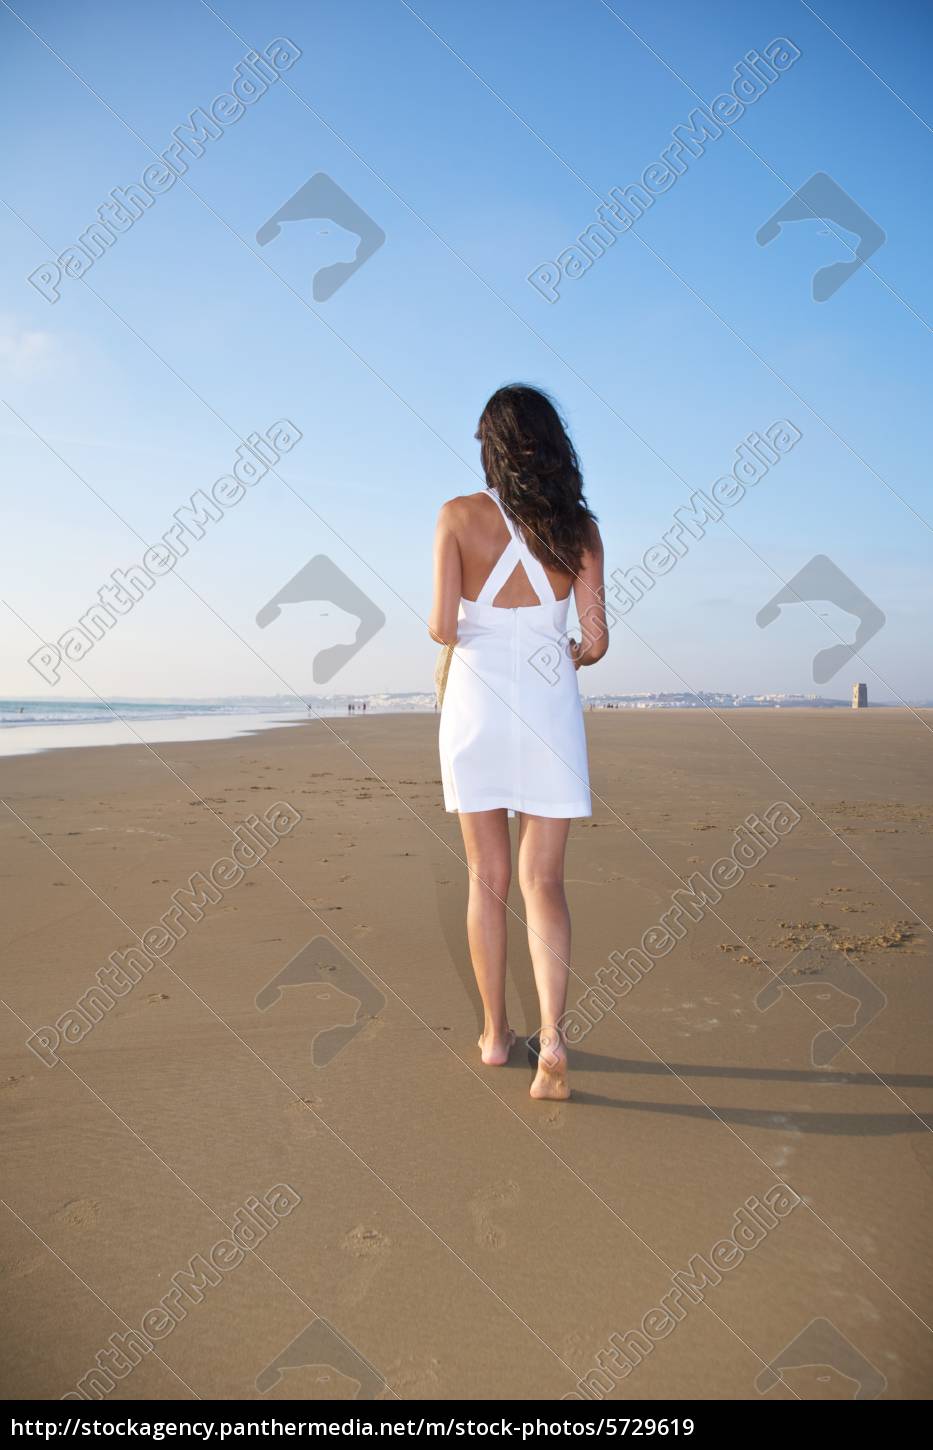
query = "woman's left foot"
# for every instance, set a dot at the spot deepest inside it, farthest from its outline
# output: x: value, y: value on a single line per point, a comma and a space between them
x: 551, y: 1078
x: 495, y: 1049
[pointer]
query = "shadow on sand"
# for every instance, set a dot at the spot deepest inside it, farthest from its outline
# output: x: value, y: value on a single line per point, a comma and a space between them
x: 841, y: 1124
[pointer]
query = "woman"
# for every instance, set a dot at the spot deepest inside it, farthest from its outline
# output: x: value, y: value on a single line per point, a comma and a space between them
x: 511, y: 735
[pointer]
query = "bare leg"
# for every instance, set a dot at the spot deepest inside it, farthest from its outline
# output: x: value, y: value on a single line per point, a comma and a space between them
x: 542, y: 842
x: 489, y: 857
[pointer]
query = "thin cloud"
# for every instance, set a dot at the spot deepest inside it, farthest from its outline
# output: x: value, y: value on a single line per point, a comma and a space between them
x: 25, y: 351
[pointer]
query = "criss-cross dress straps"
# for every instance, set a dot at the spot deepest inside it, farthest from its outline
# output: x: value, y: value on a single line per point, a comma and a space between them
x: 515, y: 552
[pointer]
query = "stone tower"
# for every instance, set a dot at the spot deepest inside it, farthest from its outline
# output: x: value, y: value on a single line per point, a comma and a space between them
x: 859, y: 697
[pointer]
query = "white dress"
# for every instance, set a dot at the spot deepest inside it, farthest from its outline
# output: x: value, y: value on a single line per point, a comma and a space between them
x: 511, y: 733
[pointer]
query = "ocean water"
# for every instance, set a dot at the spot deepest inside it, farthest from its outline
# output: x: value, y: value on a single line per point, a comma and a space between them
x: 28, y: 726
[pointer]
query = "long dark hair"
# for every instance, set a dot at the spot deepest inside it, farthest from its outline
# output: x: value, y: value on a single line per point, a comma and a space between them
x: 529, y: 460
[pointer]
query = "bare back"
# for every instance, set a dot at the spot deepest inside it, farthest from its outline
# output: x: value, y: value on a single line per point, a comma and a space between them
x: 471, y: 536
x: 482, y: 534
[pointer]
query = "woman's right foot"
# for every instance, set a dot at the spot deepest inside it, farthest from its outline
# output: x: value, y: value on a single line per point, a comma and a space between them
x: 495, y: 1048
x: 551, y: 1077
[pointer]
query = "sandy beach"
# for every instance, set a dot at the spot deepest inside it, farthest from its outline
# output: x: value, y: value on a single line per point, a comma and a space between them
x: 257, y: 1156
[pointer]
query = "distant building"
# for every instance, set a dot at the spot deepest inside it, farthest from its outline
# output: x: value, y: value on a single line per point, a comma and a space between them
x: 859, y: 697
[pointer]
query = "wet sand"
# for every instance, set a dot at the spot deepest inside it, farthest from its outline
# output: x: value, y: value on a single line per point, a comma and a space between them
x: 334, y: 1152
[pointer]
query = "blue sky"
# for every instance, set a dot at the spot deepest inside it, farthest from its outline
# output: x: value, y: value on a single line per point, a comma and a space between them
x: 684, y: 338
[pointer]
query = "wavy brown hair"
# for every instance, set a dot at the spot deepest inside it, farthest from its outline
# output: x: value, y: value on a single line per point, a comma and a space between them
x: 529, y: 460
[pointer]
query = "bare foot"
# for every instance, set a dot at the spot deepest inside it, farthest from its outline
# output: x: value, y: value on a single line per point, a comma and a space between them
x: 551, y: 1078
x: 495, y: 1050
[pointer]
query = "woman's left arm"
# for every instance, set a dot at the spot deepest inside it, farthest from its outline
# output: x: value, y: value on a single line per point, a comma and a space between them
x: 442, y: 622
x: 590, y: 598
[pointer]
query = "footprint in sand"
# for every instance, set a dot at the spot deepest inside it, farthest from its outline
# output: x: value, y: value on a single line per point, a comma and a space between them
x: 302, y: 1116
x: 21, y: 1268
x: 365, y: 1243
x: 576, y: 1349
x: 486, y: 1203
x: 78, y: 1213
x: 414, y: 1379
x: 555, y: 1117
x: 368, y: 1247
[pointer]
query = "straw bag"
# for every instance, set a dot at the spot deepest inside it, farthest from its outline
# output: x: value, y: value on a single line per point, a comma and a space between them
x: 442, y: 670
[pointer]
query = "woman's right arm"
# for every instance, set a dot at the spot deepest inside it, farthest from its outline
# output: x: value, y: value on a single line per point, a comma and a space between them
x: 589, y: 593
x: 445, y: 609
